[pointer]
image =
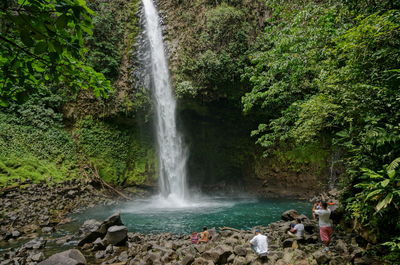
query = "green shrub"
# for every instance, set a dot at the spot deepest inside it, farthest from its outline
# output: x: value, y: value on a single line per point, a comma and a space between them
x: 20, y: 168
x: 116, y: 151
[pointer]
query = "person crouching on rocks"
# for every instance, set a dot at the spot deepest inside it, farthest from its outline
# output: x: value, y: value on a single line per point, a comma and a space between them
x: 259, y: 244
x: 204, y: 236
x: 297, y: 231
x: 194, y: 238
x: 325, y: 224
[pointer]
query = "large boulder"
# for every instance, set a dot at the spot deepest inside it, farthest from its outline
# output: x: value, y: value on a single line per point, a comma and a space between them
x: 289, y: 215
x: 321, y: 257
x: 218, y: 255
x: 69, y: 257
x: 95, y: 231
x: 187, y: 260
x: 240, y: 250
x: 288, y: 243
x: 89, y: 226
x: 116, y: 235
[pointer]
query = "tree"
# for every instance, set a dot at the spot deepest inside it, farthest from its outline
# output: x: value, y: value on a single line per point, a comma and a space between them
x: 41, y: 41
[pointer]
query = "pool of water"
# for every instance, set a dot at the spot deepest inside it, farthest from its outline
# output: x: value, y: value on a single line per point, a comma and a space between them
x: 157, y: 215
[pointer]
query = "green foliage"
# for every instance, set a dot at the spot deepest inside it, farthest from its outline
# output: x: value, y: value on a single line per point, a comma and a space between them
x: 33, y: 142
x: 286, y: 65
x: 212, y: 66
x: 322, y: 72
x: 106, y: 44
x: 42, y: 41
x: 315, y: 74
x: 116, y: 151
x: 16, y: 169
x: 52, y: 144
x: 375, y: 204
x: 394, y: 248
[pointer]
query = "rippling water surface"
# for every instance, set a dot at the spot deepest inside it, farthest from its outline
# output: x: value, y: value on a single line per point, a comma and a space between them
x: 156, y: 215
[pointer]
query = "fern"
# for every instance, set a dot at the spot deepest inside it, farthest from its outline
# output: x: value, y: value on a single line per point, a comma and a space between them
x: 394, y: 164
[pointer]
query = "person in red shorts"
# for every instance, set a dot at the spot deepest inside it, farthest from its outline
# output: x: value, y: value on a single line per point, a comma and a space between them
x: 325, y: 224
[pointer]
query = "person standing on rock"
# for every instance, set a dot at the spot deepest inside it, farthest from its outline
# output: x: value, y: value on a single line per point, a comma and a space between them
x: 259, y: 244
x: 325, y: 224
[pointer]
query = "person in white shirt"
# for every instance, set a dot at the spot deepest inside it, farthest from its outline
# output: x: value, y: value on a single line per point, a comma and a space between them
x: 298, y: 230
x: 259, y: 243
x: 325, y: 224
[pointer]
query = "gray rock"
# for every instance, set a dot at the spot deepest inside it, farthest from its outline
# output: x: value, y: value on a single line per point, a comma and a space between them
x: 47, y: 229
x: 101, y: 231
x: 240, y: 250
x: 288, y: 243
x: 155, y: 257
x: 201, y: 261
x: 116, y: 235
x: 69, y: 257
x: 341, y: 246
x: 110, y: 249
x: 113, y: 220
x: 15, y: 233
x: 251, y: 258
x: 123, y: 257
x: 210, y: 255
x: 88, y: 226
x: 339, y: 260
x: 226, y: 233
x: 98, y: 244
x: 38, y: 257
x: 100, y: 254
x: 239, y: 261
x: 289, y: 215
x: 188, y: 260
x: 200, y: 248
x: 36, y: 243
x: 292, y: 256
x: 230, y: 258
x: 321, y: 257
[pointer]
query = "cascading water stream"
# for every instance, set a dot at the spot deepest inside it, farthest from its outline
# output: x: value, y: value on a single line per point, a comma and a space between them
x: 171, y: 151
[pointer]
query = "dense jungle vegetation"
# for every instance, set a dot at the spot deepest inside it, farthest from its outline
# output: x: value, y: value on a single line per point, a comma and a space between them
x: 305, y: 79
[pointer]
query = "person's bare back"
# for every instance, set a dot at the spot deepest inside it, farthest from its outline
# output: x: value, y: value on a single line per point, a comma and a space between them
x: 204, y: 236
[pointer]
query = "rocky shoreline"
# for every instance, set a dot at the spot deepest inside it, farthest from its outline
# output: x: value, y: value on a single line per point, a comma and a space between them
x: 30, y: 208
x: 31, y: 215
x: 109, y: 242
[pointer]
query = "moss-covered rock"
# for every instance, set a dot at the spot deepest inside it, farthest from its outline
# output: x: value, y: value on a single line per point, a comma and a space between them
x: 117, y: 151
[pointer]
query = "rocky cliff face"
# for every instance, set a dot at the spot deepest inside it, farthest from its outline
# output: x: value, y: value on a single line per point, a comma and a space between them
x: 202, y: 38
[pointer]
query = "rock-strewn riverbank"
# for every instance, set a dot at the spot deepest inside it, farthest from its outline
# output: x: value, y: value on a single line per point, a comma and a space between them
x: 38, y: 208
x: 34, y: 213
x: 231, y: 246
x: 109, y: 242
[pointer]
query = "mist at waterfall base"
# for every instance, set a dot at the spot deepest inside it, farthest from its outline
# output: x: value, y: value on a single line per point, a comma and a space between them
x: 151, y: 216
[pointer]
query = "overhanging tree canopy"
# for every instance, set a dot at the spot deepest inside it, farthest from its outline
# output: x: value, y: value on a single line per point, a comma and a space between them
x: 42, y: 41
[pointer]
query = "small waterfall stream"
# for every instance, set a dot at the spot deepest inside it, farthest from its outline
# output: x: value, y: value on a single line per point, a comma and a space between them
x: 172, y: 156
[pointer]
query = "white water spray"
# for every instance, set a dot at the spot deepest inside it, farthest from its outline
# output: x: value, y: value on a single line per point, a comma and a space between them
x: 171, y: 152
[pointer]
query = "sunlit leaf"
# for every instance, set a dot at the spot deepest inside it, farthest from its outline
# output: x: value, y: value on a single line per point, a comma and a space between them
x: 384, y: 203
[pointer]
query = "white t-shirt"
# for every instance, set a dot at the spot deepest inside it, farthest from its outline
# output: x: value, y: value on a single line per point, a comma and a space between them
x: 324, y: 217
x: 299, y: 230
x: 260, y: 244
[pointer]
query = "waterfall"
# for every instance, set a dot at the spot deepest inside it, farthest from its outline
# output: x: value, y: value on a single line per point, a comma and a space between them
x: 172, y: 156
